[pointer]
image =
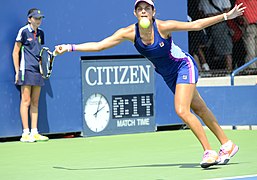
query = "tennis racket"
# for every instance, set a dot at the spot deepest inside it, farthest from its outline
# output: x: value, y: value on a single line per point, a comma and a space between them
x: 46, y: 60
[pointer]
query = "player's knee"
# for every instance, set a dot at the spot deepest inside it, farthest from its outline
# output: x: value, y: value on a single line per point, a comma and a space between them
x: 34, y: 102
x: 201, y: 112
x: 182, y: 112
x: 26, y: 102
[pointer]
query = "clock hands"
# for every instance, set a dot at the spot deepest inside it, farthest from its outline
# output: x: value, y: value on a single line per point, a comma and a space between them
x: 98, y: 103
x: 95, y: 114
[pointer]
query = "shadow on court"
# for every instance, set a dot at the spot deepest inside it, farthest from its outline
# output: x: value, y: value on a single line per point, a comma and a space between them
x: 185, y: 165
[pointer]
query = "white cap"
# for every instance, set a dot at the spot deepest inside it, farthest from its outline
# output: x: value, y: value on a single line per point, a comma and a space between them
x: 146, y: 1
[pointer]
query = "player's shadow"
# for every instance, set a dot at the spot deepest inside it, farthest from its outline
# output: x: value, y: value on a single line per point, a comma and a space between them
x: 180, y: 165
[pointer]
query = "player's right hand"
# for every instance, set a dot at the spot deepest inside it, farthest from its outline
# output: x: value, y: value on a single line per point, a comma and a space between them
x: 16, y: 78
x: 60, y: 49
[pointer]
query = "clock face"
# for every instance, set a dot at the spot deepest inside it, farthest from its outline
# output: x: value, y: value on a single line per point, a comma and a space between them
x: 97, y: 112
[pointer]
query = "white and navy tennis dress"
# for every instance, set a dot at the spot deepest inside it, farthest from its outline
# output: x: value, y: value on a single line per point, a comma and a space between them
x: 31, y: 41
x: 173, y: 64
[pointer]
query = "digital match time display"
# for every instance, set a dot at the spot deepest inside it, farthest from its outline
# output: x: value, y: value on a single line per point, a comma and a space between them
x: 132, y: 106
x: 118, y: 95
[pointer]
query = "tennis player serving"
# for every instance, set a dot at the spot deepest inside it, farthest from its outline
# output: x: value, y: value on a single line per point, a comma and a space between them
x: 177, y: 67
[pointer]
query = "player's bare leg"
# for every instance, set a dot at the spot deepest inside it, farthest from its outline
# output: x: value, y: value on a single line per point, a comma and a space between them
x: 24, y: 106
x: 35, y: 93
x: 183, y: 98
x: 200, y: 108
x: 228, y: 148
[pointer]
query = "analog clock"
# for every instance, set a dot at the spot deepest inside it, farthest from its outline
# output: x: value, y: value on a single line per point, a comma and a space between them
x: 97, y: 112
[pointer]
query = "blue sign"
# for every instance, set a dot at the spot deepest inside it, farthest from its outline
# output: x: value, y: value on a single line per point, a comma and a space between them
x: 118, y: 95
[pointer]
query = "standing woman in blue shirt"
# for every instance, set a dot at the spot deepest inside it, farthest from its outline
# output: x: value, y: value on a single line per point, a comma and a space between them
x: 25, y: 58
x: 176, y: 66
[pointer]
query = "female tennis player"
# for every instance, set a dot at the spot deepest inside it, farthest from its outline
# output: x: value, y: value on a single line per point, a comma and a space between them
x: 176, y: 66
x: 25, y: 58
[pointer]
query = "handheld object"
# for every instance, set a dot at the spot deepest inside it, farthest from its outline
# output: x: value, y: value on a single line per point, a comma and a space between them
x: 46, y: 60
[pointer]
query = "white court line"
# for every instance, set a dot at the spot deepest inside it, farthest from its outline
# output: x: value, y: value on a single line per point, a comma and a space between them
x: 236, y: 177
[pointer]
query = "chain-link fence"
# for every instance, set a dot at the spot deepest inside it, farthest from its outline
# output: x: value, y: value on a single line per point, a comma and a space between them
x: 223, y: 47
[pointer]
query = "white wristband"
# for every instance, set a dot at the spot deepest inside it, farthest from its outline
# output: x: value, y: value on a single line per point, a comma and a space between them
x: 69, y: 47
x: 225, y: 16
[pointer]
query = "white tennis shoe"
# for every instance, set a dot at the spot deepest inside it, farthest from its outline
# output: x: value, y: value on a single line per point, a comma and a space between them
x: 227, y: 151
x: 27, y: 138
x: 210, y: 158
x: 39, y: 137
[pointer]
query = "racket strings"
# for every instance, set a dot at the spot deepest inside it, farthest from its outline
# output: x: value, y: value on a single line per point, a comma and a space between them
x: 46, y: 62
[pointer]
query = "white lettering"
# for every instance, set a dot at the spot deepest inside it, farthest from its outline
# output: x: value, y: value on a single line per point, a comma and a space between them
x: 109, y: 75
x: 116, y: 78
x: 134, y: 75
x: 108, y: 69
x: 99, y: 70
x: 124, y: 73
x: 126, y: 123
x: 145, y: 74
x: 143, y: 122
x: 87, y: 76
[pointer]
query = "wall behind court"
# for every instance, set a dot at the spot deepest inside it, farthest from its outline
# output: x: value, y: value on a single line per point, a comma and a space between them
x: 73, y: 21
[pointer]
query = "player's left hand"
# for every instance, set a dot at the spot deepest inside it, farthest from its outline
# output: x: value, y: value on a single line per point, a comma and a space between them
x: 238, y: 10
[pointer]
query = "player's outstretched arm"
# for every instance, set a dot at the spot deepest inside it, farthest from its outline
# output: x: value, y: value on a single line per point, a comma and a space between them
x: 118, y: 37
x: 238, y: 10
x: 169, y: 26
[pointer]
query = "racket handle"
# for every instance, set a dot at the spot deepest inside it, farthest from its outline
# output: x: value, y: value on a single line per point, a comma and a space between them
x: 54, y: 53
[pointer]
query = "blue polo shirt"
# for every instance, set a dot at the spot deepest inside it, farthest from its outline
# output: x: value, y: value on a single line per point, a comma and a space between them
x: 31, y: 45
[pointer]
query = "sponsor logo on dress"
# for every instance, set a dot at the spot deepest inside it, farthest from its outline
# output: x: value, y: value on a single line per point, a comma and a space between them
x: 184, y: 77
x: 161, y: 44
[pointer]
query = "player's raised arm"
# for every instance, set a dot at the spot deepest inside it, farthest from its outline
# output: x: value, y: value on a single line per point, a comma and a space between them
x: 199, y: 24
x: 118, y: 37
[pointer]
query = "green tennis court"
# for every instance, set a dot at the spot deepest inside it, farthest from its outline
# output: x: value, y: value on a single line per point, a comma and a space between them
x: 146, y: 156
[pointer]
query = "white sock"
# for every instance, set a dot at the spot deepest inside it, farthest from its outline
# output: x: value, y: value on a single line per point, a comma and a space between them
x: 26, y: 131
x: 227, y: 145
x: 34, y: 131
